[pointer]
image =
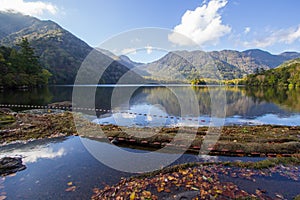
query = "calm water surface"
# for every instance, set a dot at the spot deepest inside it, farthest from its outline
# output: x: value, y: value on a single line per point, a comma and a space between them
x: 52, y: 163
x: 243, y: 106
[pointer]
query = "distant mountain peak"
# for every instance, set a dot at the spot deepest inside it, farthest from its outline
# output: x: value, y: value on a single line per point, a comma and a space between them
x: 60, y: 51
x: 230, y: 63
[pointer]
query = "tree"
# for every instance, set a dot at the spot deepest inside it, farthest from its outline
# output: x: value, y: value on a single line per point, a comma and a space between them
x: 28, y: 60
x: 21, y: 68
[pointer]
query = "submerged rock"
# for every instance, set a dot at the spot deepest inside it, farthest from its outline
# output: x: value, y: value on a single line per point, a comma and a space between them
x: 10, y: 165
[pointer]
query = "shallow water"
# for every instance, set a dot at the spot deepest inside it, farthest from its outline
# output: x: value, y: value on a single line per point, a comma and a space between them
x: 53, y: 163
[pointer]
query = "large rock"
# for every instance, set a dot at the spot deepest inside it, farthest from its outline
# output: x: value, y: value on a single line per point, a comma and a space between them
x: 10, y: 165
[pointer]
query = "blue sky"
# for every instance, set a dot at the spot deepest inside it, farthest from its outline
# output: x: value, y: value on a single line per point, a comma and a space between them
x: 272, y: 25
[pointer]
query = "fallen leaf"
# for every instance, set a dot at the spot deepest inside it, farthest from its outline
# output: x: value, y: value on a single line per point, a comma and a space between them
x: 167, y: 190
x: 132, y: 196
x: 219, y: 191
x: 2, y: 197
x: 171, y: 178
x: 183, y: 172
x: 160, y: 189
x: 146, y: 194
x: 71, y: 189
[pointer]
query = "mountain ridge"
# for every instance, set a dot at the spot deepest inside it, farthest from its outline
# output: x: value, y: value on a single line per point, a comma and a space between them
x: 226, y: 64
x: 62, y: 54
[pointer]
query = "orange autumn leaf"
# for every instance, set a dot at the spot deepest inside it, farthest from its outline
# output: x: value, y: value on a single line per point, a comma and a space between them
x: 183, y: 172
x: 171, y: 178
x: 71, y: 189
x: 160, y: 189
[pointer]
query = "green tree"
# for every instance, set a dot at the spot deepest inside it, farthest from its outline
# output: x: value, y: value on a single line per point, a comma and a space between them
x: 21, y: 68
x: 28, y: 59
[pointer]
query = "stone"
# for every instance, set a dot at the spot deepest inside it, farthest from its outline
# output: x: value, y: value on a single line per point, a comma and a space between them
x: 10, y: 165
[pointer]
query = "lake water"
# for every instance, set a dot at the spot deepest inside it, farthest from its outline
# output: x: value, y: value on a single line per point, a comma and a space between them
x: 53, y: 163
x: 243, y: 106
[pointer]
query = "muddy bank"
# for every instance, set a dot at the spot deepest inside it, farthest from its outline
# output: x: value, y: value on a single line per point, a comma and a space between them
x: 267, y: 140
x: 205, y: 181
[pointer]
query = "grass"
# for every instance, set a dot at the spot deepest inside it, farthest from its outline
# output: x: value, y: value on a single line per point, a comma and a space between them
x: 6, y: 119
x: 264, y: 164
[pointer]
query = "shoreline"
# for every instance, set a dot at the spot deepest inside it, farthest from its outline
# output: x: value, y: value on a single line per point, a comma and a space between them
x: 254, y: 141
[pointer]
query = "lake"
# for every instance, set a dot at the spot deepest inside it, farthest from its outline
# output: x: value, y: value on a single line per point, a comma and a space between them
x: 243, y: 106
x: 52, y: 164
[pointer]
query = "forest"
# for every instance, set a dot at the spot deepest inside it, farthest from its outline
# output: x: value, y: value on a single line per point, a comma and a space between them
x: 285, y: 76
x: 20, y: 67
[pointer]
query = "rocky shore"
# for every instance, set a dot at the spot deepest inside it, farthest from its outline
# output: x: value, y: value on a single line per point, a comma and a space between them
x: 256, y: 141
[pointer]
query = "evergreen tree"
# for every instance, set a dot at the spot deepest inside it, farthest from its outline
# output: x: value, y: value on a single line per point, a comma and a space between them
x: 19, y: 68
x: 28, y: 60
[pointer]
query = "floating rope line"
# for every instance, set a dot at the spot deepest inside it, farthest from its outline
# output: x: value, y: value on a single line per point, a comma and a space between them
x: 100, y: 110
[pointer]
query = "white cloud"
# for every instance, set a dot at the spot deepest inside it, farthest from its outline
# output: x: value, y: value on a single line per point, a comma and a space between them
x: 32, y: 155
x: 149, y: 49
x: 129, y: 51
x: 247, y: 30
x: 203, y: 25
x: 34, y: 8
x: 285, y: 36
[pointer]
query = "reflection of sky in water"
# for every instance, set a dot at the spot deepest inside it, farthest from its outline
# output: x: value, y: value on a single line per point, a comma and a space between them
x: 52, y: 163
x: 49, y: 178
x: 32, y: 155
x: 293, y: 120
x: 126, y: 119
x: 132, y: 118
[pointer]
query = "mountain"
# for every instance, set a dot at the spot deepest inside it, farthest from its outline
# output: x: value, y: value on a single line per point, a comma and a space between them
x: 229, y: 64
x: 125, y: 60
x: 60, y: 52
x: 290, y: 55
x: 286, y: 75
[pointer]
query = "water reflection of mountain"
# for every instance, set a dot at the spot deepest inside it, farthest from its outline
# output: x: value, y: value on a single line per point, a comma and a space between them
x: 36, y: 96
x: 287, y: 99
x: 240, y: 101
x: 244, y: 102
